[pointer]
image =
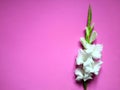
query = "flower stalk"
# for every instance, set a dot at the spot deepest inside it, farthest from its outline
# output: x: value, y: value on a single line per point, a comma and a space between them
x: 89, y: 58
x: 85, y: 85
x: 87, y: 35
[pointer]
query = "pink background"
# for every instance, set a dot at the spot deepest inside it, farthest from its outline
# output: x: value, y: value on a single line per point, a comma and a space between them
x: 39, y: 41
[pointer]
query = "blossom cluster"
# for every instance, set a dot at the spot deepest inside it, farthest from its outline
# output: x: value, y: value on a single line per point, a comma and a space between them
x: 88, y: 59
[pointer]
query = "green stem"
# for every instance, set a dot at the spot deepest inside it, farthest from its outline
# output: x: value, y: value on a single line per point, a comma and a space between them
x: 87, y: 35
x: 85, y: 85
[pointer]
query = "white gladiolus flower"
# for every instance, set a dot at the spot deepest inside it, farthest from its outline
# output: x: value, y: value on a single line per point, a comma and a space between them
x: 93, y: 67
x: 96, y: 67
x: 81, y: 75
x: 89, y: 67
x: 83, y: 56
x: 88, y: 60
x: 86, y: 57
x: 94, y: 49
x: 80, y: 57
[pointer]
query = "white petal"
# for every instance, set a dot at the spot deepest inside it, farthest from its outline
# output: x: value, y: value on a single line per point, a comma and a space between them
x: 88, y: 61
x: 97, y: 67
x: 88, y: 65
x: 93, y: 36
x: 84, y: 42
x: 97, y: 51
x: 80, y: 57
x: 87, y: 77
x: 82, y: 52
x: 99, y: 47
x: 79, y: 60
x: 78, y: 78
x: 96, y: 55
x: 83, y: 56
x: 89, y: 48
x: 79, y: 74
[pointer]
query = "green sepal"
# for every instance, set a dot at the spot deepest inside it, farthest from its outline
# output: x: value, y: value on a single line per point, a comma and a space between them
x: 87, y: 34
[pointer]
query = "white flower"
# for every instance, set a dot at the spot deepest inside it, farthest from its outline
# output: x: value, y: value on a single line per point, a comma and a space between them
x: 96, y: 67
x: 82, y: 57
x: 93, y: 49
x: 86, y: 58
x: 87, y: 66
x: 81, y: 75
x: 93, y: 67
